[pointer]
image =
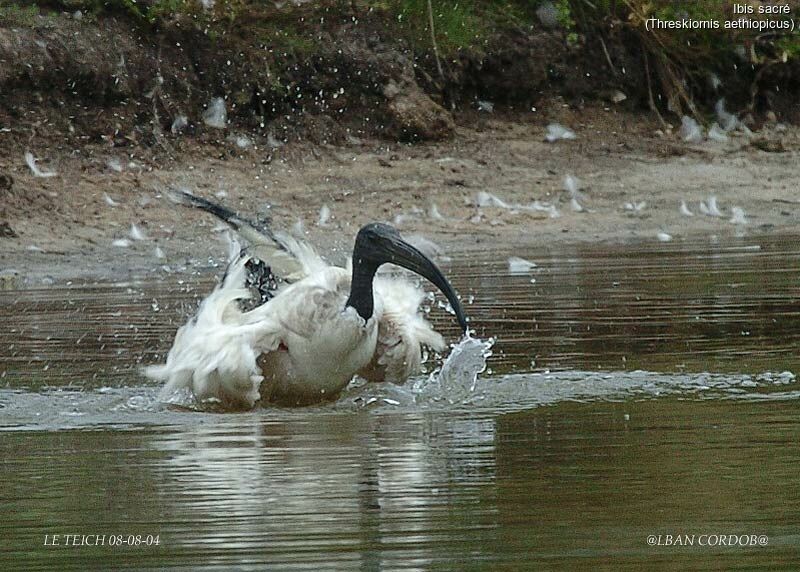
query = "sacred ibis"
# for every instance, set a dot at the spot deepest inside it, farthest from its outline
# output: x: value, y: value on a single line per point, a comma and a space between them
x: 285, y: 327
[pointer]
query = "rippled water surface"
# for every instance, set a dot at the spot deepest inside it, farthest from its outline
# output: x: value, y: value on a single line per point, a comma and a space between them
x: 633, y: 393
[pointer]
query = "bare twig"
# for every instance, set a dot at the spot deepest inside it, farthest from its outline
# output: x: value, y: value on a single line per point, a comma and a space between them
x: 751, y: 105
x: 155, y: 96
x: 433, y: 41
x: 608, y: 57
x: 445, y: 94
x: 667, y: 65
x: 651, y: 101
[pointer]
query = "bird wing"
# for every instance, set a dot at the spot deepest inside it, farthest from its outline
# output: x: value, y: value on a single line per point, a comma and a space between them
x: 214, y: 354
x: 288, y: 257
x: 402, y: 332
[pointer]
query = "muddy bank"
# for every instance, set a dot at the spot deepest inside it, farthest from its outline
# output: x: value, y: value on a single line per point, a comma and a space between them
x: 77, y: 224
x: 318, y: 72
x: 331, y: 106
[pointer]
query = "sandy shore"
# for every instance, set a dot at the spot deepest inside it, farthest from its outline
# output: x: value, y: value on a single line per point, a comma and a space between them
x: 67, y: 225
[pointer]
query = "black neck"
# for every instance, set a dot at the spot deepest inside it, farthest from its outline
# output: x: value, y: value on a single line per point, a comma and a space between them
x: 361, y: 288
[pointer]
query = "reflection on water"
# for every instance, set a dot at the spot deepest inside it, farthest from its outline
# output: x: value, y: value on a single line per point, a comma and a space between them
x: 547, y: 486
x: 615, y: 432
x: 377, y: 486
x: 675, y: 308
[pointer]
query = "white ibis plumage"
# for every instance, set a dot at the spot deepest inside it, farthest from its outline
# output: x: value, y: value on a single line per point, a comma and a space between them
x: 284, y: 327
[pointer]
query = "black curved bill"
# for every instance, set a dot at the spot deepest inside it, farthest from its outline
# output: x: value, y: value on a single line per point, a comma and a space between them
x: 399, y: 252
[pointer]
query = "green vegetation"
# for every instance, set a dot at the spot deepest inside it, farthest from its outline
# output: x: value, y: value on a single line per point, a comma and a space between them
x: 467, y: 24
x: 680, y: 59
x: 457, y: 24
x: 20, y: 16
x: 158, y: 11
x: 676, y: 62
x: 285, y: 34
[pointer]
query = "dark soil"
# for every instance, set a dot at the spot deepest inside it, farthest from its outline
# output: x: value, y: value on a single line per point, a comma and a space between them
x: 316, y: 72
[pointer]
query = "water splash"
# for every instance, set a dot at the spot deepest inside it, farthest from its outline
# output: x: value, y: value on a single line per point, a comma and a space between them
x: 557, y: 132
x: 456, y: 380
x: 691, y: 131
x: 216, y: 115
x: 37, y: 172
x: 458, y: 385
x: 517, y: 265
